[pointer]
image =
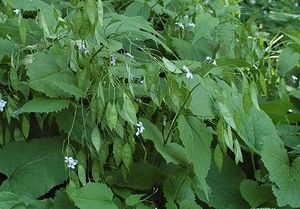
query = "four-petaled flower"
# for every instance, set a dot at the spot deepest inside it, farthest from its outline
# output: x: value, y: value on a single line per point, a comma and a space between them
x: 2, y: 105
x: 294, y: 79
x: 188, y: 75
x: 113, y: 60
x: 71, y: 162
x: 211, y: 60
x: 139, y: 128
x: 17, y: 11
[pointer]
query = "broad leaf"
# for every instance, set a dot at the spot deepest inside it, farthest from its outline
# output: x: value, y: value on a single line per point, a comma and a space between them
x: 92, y: 196
x: 288, y: 59
x: 43, y: 105
x: 285, y: 174
x: 32, y: 168
x: 196, y: 140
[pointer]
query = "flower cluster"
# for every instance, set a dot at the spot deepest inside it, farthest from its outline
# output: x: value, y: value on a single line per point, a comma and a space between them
x: 139, y: 128
x: 294, y: 79
x: 185, y: 23
x: 2, y: 105
x: 81, y: 46
x: 188, y: 75
x: 211, y: 60
x: 71, y: 162
x: 113, y: 60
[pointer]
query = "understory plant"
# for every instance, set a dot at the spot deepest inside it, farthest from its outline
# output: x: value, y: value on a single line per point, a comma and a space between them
x: 149, y: 104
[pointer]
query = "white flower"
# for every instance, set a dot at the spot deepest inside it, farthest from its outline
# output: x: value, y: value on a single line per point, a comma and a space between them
x: 71, y: 162
x: 290, y: 110
x: 2, y: 105
x: 294, y: 79
x: 180, y: 24
x: 252, y: 1
x: 270, y: 1
x: 188, y: 75
x: 113, y: 60
x: 82, y: 46
x: 139, y: 128
x: 128, y: 55
x: 164, y: 120
x: 17, y: 11
x: 211, y: 60
x: 191, y: 24
x: 206, y: 1
x: 186, y: 17
x: 296, y: 4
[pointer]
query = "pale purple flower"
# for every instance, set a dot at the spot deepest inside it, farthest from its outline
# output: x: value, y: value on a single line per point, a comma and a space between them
x: 139, y: 128
x: 71, y: 162
x: 2, y: 105
x: 81, y: 46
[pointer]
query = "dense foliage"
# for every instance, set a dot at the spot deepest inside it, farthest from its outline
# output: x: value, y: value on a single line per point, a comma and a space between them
x: 149, y: 104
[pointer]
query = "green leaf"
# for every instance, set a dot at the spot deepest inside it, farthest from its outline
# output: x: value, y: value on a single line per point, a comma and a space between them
x: 61, y: 200
x: 205, y: 23
x: 111, y: 115
x: 255, y: 194
x: 285, y: 174
x: 23, y: 31
x: 138, y: 9
x: 133, y: 200
x: 129, y: 110
x: 91, y: 10
x: 126, y: 155
x: 171, y: 66
x: 171, y: 152
x: 96, y: 139
x: 7, y: 48
x: 32, y: 168
x: 49, y: 71
x: 225, y: 191
x: 26, y: 5
x: 117, y: 150
x: 9, y: 200
x: 43, y: 105
x: 100, y: 12
x: 196, y: 140
x: 92, y: 196
x: 288, y: 59
x: 25, y: 127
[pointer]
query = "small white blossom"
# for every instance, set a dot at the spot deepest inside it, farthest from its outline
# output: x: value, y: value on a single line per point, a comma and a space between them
x: 252, y: 1
x: 294, y: 79
x: 191, y: 24
x: 113, y: 60
x: 128, y: 55
x: 81, y: 46
x: 188, y: 75
x: 296, y: 4
x: 2, y: 105
x: 270, y: 1
x: 139, y: 128
x: 17, y: 11
x: 290, y: 110
x: 142, y: 81
x: 180, y: 24
x: 211, y: 60
x: 186, y: 17
x: 206, y: 1
x: 164, y: 120
x: 71, y: 162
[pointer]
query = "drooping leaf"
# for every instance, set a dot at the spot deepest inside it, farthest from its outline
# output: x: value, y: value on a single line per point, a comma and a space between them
x: 284, y: 174
x: 288, y: 59
x: 7, y: 48
x: 92, y: 196
x: 133, y: 200
x: 196, y: 140
x: 32, y: 168
x: 96, y: 139
x: 43, y: 105
x: 171, y: 152
x: 126, y: 155
x: 255, y: 194
x: 26, y: 5
x: 61, y: 200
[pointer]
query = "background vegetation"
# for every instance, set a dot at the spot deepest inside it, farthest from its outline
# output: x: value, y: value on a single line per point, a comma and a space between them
x: 149, y: 104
